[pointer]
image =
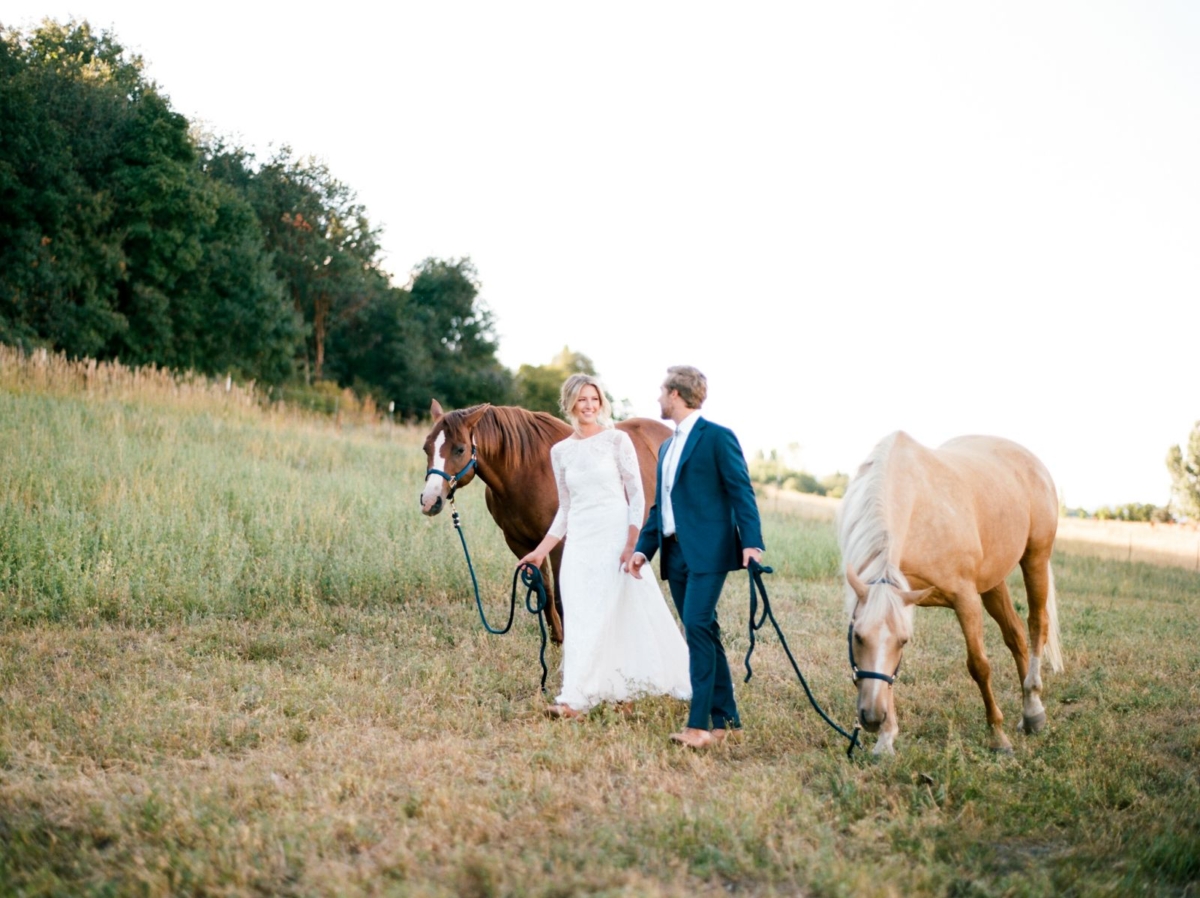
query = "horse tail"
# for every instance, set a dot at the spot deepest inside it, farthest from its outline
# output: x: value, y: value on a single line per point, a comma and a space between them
x: 1053, y: 651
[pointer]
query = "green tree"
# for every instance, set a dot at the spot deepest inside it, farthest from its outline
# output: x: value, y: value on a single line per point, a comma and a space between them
x: 325, y: 249
x: 538, y: 386
x: 233, y: 314
x: 835, y: 485
x: 459, y: 334
x: 64, y: 110
x: 114, y: 240
x: 379, y: 348
x: 1185, y: 476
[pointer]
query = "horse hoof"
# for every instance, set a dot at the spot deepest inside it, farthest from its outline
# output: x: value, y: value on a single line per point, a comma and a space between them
x: 1035, y: 724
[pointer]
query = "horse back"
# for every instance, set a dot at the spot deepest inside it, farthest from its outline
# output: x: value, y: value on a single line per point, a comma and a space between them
x: 973, y: 508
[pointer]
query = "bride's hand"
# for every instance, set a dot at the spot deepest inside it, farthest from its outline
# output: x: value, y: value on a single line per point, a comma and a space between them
x: 625, y: 558
x: 533, y: 559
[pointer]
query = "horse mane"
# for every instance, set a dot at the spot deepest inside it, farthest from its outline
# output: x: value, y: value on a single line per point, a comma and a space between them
x: 866, y: 542
x: 513, y: 433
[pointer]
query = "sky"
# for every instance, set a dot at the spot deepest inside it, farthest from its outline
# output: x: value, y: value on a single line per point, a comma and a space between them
x: 938, y: 217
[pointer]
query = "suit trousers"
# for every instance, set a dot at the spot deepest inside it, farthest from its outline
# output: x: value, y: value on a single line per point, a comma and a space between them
x: 695, y: 596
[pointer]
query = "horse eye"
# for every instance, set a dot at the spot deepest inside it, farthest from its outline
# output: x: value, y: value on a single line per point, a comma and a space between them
x: 858, y: 639
x: 459, y: 450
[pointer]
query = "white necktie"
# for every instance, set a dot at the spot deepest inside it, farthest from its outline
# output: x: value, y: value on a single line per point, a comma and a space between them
x: 673, y: 458
x: 670, y: 467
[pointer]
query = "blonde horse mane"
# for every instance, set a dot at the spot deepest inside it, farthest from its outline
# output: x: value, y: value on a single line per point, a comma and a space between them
x: 867, y: 545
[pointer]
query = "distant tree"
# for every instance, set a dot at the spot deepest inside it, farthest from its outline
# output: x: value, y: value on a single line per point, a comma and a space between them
x: 1185, y: 476
x: 1133, y: 511
x: 234, y: 314
x: 835, y: 484
x: 570, y: 362
x: 325, y: 249
x: 114, y: 241
x: 538, y: 387
x: 803, y: 482
x: 379, y: 348
x: 63, y: 117
x: 459, y: 334
x: 768, y: 469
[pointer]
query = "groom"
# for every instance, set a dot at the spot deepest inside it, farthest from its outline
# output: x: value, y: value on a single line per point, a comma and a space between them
x: 705, y: 522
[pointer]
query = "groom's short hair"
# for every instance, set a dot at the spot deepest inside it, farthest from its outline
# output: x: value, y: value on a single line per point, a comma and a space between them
x: 691, y: 385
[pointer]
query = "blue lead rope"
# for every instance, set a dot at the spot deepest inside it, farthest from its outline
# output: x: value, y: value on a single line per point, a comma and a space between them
x: 756, y: 586
x: 530, y: 576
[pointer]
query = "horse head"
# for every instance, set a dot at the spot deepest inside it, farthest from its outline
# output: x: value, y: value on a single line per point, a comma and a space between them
x: 881, y: 623
x: 450, y: 460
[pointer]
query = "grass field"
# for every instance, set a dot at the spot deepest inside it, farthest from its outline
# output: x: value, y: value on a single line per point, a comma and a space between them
x: 236, y: 660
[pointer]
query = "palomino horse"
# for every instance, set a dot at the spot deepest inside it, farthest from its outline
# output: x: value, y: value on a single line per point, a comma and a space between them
x: 945, y: 527
x: 509, y: 448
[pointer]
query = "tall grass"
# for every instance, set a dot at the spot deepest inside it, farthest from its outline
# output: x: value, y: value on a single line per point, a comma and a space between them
x: 126, y: 512
x: 235, y: 659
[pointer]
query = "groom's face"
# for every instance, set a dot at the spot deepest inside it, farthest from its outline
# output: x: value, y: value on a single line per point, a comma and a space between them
x: 666, y: 402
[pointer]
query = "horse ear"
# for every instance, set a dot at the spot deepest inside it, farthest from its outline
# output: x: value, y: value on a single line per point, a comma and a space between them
x: 860, y: 588
x: 476, y: 413
x: 914, y: 596
x: 436, y: 410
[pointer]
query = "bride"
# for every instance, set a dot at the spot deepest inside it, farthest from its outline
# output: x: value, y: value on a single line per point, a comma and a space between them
x: 620, y: 640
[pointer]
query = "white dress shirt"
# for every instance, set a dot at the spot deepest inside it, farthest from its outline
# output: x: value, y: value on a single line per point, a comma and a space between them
x: 671, y: 466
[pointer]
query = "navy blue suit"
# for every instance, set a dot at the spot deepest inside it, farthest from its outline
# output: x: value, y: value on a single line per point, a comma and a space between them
x: 716, y: 517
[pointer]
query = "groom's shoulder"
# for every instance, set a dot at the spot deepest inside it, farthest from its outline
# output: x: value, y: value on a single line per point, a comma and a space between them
x: 720, y: 429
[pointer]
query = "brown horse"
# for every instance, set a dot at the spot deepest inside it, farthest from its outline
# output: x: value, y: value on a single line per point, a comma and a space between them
x: 509, y: 448
x: 946, y: 527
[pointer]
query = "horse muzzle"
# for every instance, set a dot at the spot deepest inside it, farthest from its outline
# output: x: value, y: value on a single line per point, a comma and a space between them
x: 871, y: 718
x: 429, y: 507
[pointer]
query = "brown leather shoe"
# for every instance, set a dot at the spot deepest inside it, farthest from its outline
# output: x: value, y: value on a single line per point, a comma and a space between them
x: 562, y: 712
x: 694, y: 738
x: 733, y: 734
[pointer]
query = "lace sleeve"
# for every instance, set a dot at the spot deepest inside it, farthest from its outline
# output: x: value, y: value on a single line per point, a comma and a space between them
x: 558, y: 527
x: 631, y: 476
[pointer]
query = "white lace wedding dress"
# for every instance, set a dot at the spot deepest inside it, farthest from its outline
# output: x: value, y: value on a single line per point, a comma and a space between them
x: 620, y: 640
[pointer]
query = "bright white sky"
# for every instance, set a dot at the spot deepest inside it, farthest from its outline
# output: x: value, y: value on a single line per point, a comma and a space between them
x: 943, y: 217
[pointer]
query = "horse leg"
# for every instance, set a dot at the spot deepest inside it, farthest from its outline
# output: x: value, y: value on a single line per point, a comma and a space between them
x: 1039, y: 587
x: 554, y: 605
x: 969, y: 608
x: 999, y: 605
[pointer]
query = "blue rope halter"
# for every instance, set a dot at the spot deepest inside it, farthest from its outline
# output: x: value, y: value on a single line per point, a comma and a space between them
x: 529, y: 576
x: 457, y: 478
x: 869, y: 674
x: 758, y: 587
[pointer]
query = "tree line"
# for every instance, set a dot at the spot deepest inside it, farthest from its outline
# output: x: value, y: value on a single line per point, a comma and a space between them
x: 124, y: 234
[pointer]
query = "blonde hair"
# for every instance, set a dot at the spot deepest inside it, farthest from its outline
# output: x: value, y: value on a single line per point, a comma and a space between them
x: 570, y: 395
x: 691, y: 385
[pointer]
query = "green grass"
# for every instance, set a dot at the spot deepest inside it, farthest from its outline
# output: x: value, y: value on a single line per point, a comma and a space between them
x: 236, y: 660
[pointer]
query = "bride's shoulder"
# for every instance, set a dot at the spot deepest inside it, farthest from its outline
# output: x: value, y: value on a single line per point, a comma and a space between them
x: 561, y: 446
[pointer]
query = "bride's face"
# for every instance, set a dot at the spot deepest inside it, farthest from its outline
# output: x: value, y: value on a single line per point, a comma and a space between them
x: 587, y: 406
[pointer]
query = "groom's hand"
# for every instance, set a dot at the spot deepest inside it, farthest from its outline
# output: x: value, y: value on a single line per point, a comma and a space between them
x: 635, y: 564
x: 747, y: 554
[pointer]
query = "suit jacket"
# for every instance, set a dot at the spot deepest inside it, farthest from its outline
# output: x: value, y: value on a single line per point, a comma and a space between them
x: 716, y: 514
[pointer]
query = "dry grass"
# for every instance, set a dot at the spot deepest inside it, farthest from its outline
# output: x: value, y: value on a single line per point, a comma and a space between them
x: 1172, y: 545
x: 1175, y: 545
x: 324, y: 715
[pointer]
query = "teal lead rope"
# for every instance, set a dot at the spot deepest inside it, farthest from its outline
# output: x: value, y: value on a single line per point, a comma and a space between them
x: 530, y: 577
x: 756, y: 586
